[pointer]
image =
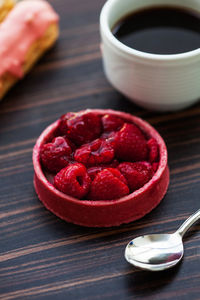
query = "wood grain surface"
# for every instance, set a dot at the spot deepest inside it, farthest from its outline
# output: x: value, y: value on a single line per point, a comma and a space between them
x: 42, y: 257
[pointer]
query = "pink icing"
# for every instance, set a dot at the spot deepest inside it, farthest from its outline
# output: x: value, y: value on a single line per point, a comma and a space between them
x: 26, y: 23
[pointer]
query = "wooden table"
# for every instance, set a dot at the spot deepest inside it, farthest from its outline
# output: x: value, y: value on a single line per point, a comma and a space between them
x: 42, y: 257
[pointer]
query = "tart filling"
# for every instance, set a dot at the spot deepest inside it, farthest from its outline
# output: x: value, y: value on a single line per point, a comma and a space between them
x: 100, y: 162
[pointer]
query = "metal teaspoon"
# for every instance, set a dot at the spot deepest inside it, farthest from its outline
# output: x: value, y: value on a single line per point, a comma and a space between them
x: 157, y: 252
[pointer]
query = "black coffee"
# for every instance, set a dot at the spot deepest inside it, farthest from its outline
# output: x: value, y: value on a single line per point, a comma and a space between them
x: 160, y: 30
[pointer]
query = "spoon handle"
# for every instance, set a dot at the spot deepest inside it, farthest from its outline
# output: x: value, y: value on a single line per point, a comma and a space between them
x: 188, y: 223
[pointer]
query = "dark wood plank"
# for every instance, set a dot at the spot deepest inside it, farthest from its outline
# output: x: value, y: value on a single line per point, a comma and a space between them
x: 42, y: 257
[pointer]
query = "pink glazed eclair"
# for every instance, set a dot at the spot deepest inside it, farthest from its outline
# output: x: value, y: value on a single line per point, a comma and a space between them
x: 29, y: 30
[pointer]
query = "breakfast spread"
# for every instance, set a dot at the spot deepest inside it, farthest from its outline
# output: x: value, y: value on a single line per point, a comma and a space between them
x: 100, y: 167
x: 95, y: 167
x: 27, y: 32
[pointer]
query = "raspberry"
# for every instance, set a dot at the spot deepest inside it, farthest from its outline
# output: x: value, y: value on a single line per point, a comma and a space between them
x: 93, y: 171
x: 95, y: 153
x: 153, y: 150
x: 81, y: 128
x: 73, y: 180
x: 130, y: 143
x: 108, y: 184
x: 111, y: 123
x: 136, y: 174
x: 109, y: 137
x: 63, y: 122
x: 72, y: 146
x: 56, y: 155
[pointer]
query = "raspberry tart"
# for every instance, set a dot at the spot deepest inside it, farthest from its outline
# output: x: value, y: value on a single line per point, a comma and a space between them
x: 100, y: 168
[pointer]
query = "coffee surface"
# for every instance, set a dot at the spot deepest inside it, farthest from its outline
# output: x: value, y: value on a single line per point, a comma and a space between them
x: 160, y: 30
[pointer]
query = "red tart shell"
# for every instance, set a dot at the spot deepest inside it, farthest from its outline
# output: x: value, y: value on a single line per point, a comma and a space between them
x: 103, y: 213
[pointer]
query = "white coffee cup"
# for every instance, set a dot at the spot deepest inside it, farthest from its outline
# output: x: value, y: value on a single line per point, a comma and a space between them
x: 158, y: 82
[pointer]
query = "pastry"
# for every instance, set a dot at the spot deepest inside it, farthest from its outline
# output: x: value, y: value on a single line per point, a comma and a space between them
x: 5, y: 7
x: 29, y: 30
x: 100, y: 168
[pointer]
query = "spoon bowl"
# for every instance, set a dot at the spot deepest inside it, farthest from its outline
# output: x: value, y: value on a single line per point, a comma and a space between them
x: 157, y: 252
